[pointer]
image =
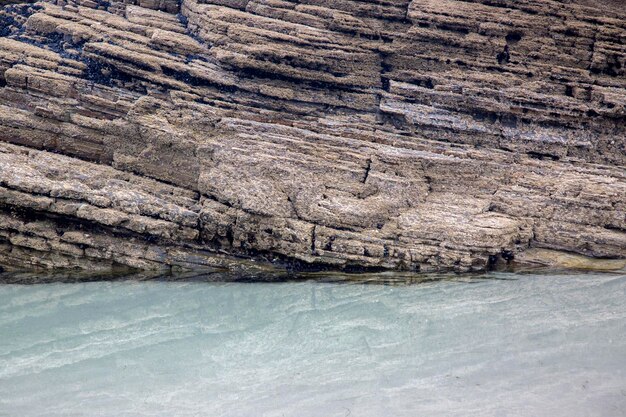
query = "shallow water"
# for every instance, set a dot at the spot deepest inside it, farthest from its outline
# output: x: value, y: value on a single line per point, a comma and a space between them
x: 518, y: 345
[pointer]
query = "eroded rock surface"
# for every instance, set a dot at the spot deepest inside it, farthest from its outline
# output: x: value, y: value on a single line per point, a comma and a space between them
x: 418, y: 135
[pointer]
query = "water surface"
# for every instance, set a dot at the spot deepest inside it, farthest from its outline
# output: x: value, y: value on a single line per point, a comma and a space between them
x: 501, y: 345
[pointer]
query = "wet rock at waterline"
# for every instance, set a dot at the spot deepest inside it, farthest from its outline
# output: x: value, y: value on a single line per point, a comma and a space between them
x: 414, y: 135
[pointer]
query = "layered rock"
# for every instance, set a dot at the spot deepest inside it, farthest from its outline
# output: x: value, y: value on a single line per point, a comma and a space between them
x: 419, y: 135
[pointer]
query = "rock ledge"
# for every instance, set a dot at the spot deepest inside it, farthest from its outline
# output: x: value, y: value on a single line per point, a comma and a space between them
x: 415, y: 135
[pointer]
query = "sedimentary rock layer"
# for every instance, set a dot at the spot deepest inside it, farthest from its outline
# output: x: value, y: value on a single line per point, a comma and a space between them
x: 420, y: 135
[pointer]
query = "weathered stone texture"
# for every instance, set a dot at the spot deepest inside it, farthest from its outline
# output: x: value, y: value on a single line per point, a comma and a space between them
x: 420, y: 135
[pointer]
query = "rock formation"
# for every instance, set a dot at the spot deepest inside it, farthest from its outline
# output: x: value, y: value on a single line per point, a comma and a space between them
x: 383, y: 134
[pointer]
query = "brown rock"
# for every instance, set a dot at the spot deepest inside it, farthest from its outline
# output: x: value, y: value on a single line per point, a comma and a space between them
x: 342, y: 133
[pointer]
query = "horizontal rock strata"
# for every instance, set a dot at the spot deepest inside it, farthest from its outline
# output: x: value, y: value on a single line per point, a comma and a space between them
x: 418, y: 135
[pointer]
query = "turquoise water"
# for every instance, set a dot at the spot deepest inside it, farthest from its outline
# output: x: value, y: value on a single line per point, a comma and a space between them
x: 507, y: 345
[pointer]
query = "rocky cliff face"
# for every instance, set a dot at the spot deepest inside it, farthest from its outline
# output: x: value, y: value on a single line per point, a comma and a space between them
x: 418, y: 135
